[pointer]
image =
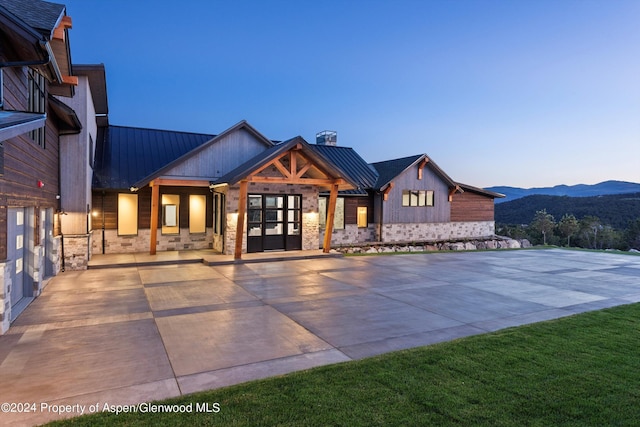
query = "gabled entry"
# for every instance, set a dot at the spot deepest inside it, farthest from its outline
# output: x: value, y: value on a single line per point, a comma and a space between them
x: 274, y: 219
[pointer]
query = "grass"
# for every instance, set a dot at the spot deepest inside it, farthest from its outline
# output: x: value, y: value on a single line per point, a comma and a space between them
x: 582, y: 370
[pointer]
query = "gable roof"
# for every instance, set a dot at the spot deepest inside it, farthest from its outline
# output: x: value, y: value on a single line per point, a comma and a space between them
x: 177, y: 159
x: 274, y: 152
x: 348, y: 160
x: 389, y: 169
x: 125, y: 155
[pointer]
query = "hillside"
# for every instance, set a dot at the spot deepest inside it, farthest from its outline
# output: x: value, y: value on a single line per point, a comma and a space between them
x: 615, y: 210
x: 580, y: 190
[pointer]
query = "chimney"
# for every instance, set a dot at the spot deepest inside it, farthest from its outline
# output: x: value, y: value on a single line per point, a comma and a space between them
x: 327, y: 137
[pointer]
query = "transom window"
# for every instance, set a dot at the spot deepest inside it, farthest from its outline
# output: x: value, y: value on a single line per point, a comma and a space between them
x: 417, y: 198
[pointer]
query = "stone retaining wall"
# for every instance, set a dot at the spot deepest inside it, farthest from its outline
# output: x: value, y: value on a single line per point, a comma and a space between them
x: 496, y: 242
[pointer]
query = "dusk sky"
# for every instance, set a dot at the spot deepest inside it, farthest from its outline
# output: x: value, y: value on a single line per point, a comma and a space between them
x: 521, y: 93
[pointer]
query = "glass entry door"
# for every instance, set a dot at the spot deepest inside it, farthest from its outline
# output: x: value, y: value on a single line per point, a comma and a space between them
x: 274, y: 222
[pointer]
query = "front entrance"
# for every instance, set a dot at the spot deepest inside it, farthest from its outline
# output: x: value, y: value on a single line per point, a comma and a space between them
x: 274, y: 222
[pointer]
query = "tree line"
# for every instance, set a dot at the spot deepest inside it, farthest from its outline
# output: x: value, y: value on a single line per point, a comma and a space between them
x: 618, y: 228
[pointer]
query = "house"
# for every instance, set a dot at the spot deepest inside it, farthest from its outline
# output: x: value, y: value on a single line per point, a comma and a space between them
x: 35, y: 73
x: 165, y: 190
x: 73, y: 185
x: 409, y: 199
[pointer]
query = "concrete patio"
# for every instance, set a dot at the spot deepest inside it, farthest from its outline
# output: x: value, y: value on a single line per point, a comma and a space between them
x: 142, y: 332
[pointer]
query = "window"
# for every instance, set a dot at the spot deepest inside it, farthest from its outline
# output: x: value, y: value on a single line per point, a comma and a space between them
x: 127, y: 214
x: 338, y: 220
x: 37, y: 102
x: 197, y: 213
x: 170, y: 212
x: 417, y: 198
x: 362, y: 217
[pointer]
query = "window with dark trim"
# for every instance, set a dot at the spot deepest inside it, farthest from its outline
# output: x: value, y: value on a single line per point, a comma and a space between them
x: 37, y: 103
x: 338, y: 219
x: 417, y: 198
x: 362, y: 217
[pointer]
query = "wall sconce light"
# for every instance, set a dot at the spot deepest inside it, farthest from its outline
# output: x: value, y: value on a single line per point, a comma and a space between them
x: 40, y: 184
x: 133, y: 189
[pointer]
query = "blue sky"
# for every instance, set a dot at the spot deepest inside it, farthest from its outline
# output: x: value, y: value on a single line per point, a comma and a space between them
x: 521, y: 93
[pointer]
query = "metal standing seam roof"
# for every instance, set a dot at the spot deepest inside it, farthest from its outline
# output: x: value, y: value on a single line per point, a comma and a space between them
x: 125, y: 155
x: 348, y: 160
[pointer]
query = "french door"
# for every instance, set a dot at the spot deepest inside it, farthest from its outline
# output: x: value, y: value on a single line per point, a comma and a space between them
x: 274, y: 222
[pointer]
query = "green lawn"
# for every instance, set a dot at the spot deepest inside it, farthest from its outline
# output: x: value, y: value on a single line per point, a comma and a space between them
x: 581, y: 370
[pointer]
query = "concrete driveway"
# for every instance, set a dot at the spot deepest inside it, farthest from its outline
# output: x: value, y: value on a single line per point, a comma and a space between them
x: 127, y: 335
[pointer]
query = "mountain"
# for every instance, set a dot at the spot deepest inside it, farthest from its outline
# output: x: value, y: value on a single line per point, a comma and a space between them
x: 580, y: 190
x: 615, y: 210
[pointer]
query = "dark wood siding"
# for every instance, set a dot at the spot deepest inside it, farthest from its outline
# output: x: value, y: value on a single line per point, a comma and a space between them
x: 470, y: 206
x: 351, y: 204
x: 25, y: 163
x: 144, y: 206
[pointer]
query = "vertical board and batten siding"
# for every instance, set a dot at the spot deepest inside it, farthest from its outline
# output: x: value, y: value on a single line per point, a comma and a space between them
x: 26, y: 163
x: 75, y: 188
x: 469, y: 206
x: 217, y: 159
x: 395, y: 213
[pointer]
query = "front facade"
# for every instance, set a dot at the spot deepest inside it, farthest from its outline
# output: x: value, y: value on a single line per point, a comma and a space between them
x: 162, y: 190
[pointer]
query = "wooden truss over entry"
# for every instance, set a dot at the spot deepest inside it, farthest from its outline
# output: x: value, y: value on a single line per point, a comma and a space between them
x: 290, y: 162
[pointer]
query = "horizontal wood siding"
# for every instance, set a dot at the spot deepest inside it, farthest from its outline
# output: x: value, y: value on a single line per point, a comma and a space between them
x: 25, y: 163
x: 470, y: 206
x: 144, y: 207
x: 395, y: 213
x: 351, y: 205
x: 216, y: 160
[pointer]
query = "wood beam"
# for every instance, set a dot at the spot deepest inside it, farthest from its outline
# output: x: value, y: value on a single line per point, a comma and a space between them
x: 286, y: 173
x: 242, y: 207
x: 331, y: 214
x: 155, y: 199
x: 263, y: 167
x: 304, y: 181
x: 452, y: 191
x: 303, y: 170
x: 65, y: 23
x: 181, y: 182
x: 293, y: 163
x: 70, y: 80
x: 421, y: 166
x: 385, y: 193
